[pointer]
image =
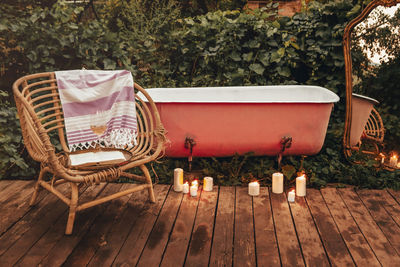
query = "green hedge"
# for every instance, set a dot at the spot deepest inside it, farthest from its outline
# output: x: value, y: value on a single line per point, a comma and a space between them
x: 219, y: 48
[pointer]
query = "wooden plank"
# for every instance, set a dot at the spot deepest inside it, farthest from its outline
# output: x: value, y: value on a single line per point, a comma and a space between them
x: 395, y: 194
x: 200, y: 243
x: 4, y: 184
x: 95, y: 236
x: 106, y: 254
x: 15, y: 191
x: 374, y: 202
x: 56, y: 233
x: 266, y: 243
x: 383, y: 250
x: 222, y: 244
x: 392, y: 206
x: 136, y: 240
x: 335, y: 247
x: 17, y: 206
x: 289, y: 247
x: 244, y: 245
x: 360, y: 250
x: 84, y: 220
x: 31, y: 219
x: 175, y: 252
x: 37, y: 229
x: 158, y: 238
x: 311, y: 244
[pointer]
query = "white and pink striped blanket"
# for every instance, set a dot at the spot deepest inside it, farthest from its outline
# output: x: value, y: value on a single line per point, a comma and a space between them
x: 99, y: 108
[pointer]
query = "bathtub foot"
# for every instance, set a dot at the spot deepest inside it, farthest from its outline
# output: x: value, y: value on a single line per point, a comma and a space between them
x: 286, y: 142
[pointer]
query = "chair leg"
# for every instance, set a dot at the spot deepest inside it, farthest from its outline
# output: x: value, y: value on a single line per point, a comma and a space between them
x: 37, y: 187
x: 72, y: 208
x: 148, y: 179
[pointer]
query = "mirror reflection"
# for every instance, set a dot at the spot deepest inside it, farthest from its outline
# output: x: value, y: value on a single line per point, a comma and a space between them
x: 375, y: 56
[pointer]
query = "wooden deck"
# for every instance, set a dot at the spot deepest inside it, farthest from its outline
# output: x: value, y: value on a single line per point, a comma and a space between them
x: 226, y: 227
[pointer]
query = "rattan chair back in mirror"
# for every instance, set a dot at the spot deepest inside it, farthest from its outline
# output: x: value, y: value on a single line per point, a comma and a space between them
x: 43, y: 130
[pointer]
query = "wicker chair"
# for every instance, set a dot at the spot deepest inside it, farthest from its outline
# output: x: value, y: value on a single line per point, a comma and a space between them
x: 42, y: 125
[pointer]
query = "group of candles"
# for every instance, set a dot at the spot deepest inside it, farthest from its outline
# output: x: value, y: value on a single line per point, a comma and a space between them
x: 254, y: 187
x: 179, y: 186
x: 277, y: 186
x: 393, y: 161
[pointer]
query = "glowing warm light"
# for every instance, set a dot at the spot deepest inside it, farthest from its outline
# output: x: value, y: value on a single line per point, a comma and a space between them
x: 194, y: 188
x: 291, y: 195
x: 393, y: 161
x: 185, y: 187
x: 254, y: 188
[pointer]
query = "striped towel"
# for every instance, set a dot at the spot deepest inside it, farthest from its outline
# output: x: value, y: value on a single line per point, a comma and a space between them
x: 99, y: 108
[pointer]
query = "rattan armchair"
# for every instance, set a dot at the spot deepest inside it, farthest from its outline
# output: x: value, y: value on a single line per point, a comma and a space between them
x: 43, y: 130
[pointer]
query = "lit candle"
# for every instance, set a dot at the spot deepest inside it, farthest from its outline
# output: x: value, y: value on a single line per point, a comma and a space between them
x: 185, y: 188
x: 195, y: 183
x: 193, y: 190
x: 254, y: 188
x: 291, y: 196
x: 208, y: 184
x: 383, y: 158
x: 393, y: 161
x: 277, y: 183
x: 178, y: 179
x: 301, y: 186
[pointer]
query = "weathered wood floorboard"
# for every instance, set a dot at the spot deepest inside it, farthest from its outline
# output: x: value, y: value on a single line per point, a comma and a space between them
x: 178, y: 242
x: 289, y: 247
x: 200, y: 244
x: 225, y: 227
x: 266, y: 244
x: 359, y: 249
x: 244, y: 245
x: 335, y: 247
x: 376, y: 207
x: 311, y: 245
x: 384, y: 251
x: 222, y: 246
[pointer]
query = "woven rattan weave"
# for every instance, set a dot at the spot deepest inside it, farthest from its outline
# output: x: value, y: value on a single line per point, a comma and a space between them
x: 41, y: 116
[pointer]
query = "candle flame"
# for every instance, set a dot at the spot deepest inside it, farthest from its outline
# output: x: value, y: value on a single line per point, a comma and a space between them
x: 292, y: 190
x: 195, y: 182
x: 186, y: 182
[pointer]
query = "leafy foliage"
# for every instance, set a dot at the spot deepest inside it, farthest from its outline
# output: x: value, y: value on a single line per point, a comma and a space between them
x: 220, y: 48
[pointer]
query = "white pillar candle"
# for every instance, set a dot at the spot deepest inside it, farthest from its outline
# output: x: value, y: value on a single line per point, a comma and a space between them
x: 193, y: 190
x: 301, y: 186
x: 185, y: 188
x: 393, y: 161
x: 291, y: 196
x: 208, y: 184
x: 178, y: 179
x: 277, y: 183
x: 254, y: 188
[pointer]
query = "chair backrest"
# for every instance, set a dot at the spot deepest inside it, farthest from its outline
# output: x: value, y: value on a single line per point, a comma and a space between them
x: 42, y: 121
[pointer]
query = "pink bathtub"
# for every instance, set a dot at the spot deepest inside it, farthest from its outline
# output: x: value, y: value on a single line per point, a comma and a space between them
x: 228, y: 120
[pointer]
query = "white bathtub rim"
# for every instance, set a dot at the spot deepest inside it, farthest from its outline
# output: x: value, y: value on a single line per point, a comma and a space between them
x: 244, y: 94
x: 370, y: 99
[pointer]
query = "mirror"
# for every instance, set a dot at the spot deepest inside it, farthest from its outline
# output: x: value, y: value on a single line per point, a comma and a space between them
x: 371, y: 45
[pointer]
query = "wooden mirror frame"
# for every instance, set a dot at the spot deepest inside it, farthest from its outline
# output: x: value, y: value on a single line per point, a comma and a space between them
x: 348, y: 68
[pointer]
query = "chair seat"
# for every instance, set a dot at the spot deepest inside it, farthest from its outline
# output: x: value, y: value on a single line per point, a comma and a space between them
x: 102, y: 158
